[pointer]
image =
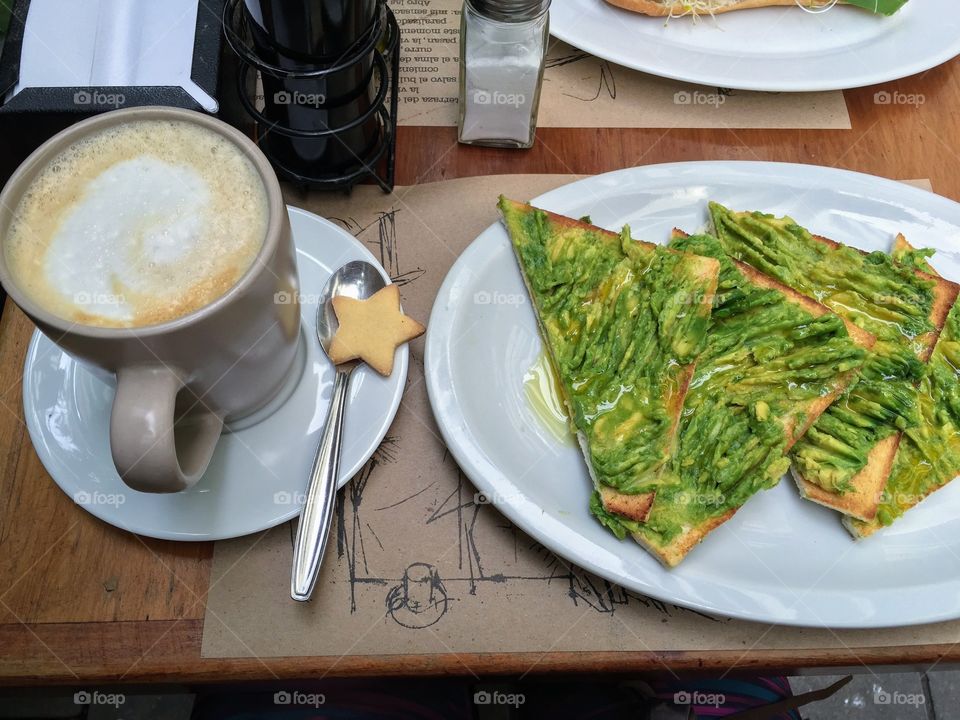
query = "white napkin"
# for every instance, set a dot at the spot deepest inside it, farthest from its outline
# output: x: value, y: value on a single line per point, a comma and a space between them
x: 104, y: 43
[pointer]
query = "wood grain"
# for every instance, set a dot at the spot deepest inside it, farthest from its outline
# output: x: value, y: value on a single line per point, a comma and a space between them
x: 59, y: 563
x: 896, y: 141
x: 165, y: 651
x: 80, y: 600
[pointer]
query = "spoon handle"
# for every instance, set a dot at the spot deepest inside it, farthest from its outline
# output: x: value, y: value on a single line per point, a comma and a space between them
x: 314, y: 526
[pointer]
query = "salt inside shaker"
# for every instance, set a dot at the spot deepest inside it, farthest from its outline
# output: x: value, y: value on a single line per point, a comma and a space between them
x: 503, y: 44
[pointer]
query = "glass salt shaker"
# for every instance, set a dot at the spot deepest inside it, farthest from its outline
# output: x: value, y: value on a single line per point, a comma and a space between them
x: 503, y: 44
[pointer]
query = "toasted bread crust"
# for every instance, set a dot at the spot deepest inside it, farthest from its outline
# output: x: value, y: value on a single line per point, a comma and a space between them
x: 859, y: 532
x: 664, y: 9
x: 942, y: 301
x: 900, y: 243
x: 634, y: 507
x: 869, y: 483
x: 673, y: 553
x: 676, y: 550
x: 856, y: 333
x: 860, y: 336
x: 569, y: 222
x: 945, y: 294
x: 865, y: 531
x: 637, y: 507
x: 818, y: 407
x: 864, y: 500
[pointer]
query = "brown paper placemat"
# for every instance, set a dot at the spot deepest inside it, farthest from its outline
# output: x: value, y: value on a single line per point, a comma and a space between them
x: 416, y: 564
x: 580, y: 90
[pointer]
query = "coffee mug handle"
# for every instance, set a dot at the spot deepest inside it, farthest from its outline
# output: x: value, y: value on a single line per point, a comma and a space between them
x: 148, y: 455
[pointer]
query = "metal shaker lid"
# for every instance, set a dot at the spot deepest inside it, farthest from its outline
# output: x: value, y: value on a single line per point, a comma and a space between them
x: 510, y: 10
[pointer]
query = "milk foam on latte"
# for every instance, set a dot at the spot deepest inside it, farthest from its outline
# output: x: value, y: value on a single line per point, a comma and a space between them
x: 138, y: 224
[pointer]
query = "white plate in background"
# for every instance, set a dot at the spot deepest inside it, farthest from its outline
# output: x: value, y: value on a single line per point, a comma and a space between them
x: 781, y: 49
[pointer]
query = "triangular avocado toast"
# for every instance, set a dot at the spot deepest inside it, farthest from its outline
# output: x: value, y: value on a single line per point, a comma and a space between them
x: 772, y: 362
x: 622, y: 323
x: 928, y: 456
x: 845, y: 459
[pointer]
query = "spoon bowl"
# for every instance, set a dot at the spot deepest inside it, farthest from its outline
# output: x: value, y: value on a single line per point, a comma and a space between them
x: 358, y: 280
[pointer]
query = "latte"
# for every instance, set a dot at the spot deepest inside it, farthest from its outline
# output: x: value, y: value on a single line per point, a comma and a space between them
x: 138, y: 224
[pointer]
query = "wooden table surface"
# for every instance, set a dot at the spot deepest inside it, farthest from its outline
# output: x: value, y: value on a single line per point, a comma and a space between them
x: 81, y: 601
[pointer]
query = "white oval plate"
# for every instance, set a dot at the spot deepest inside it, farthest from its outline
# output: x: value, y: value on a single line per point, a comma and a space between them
x: 781, y: 49
x: 258, y: 474
x: 780, y: 559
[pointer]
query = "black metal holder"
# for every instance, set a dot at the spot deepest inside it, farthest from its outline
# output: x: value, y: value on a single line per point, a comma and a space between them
x: 289, y: 32
x: 346, y: 126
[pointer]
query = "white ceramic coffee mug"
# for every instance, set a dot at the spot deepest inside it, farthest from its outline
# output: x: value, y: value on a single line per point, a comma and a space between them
x: 180, y: 380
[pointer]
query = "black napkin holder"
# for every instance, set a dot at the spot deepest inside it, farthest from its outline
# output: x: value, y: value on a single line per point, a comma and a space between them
x: 35, y: 114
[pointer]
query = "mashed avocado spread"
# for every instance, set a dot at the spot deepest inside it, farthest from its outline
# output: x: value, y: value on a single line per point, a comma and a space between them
x: 929, y: 454
x: 621, y: 321
x: 873, y: 291
x: 764, y: 360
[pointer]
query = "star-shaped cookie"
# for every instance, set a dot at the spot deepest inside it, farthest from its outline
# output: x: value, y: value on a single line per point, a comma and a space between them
x: 372, y: 329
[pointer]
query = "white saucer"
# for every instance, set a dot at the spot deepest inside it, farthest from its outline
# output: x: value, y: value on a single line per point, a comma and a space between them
x: 258, y: 473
